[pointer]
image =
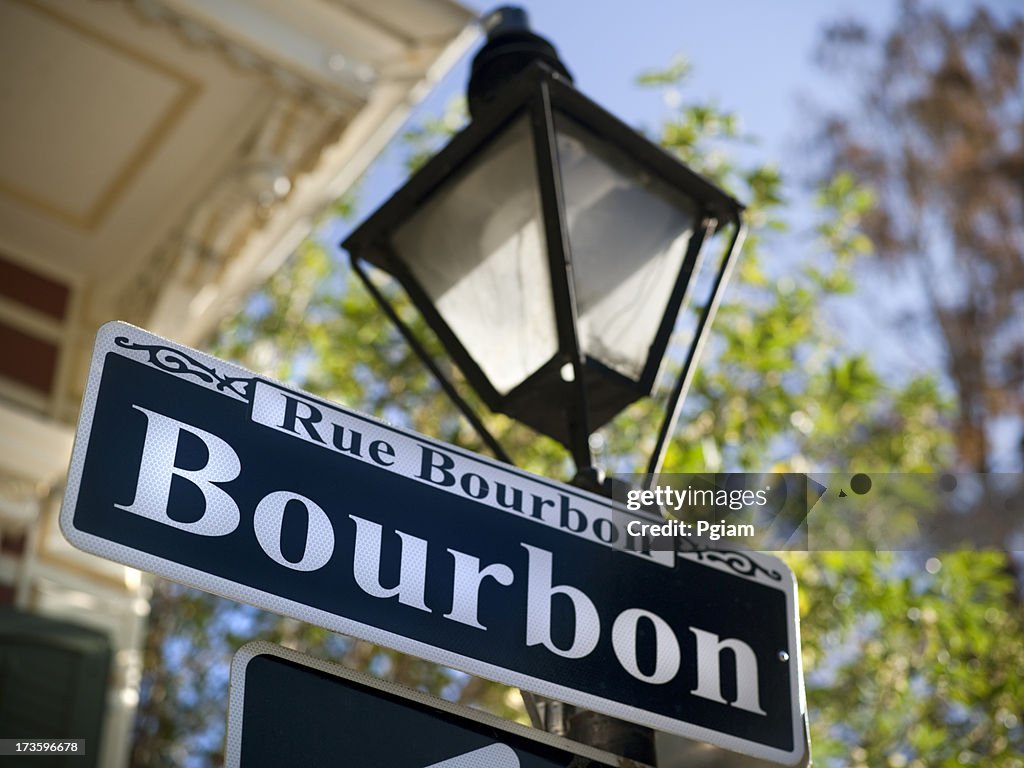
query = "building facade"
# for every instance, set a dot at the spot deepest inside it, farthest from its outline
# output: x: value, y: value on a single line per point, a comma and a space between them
x: 158, y: 160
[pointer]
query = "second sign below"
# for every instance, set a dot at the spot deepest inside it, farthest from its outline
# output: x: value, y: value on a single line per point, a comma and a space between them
x: 290, y: 709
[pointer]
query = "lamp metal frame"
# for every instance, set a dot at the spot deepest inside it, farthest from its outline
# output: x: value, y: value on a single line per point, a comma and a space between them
x: 537, y: 93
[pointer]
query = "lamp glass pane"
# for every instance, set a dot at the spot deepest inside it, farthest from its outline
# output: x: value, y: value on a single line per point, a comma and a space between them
x: 477, y: 249
x: 628, y: 233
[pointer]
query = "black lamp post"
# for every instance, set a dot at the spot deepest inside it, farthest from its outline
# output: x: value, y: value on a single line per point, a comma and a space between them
x: 550, y: 248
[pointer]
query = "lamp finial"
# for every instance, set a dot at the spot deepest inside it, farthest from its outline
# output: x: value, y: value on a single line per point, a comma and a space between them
x: 511, y: 47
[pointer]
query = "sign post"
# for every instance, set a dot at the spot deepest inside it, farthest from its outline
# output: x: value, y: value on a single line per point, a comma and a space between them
x: 204, y: 473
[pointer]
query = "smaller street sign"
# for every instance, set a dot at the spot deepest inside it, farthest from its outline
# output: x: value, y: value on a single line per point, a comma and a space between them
x: 290, y: 709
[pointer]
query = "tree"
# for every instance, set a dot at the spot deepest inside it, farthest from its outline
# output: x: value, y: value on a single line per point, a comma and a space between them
x: 937, y: 131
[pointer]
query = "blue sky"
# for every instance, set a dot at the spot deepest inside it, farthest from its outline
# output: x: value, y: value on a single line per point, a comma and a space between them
x: 751, y: 57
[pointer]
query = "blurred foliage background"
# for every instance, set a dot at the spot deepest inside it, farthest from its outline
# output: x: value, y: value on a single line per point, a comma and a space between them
x: 911, y: 659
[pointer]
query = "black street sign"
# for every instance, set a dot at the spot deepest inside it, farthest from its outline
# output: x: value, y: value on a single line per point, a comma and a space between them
x: 290, y: 709
x: 202, y: 472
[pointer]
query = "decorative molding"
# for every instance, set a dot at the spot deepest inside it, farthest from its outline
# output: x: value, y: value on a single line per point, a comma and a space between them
x: 346, y: 96
x: 287, y: 143
x: 20, y: 500
x: 174, y: 361
x: 20, y: 488
x: 736, y: 561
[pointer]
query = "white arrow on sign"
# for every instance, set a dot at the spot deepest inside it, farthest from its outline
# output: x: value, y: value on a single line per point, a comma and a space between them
x: 494, y: 756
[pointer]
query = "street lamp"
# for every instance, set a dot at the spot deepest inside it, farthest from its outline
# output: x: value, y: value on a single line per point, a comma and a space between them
x: 549, y: 247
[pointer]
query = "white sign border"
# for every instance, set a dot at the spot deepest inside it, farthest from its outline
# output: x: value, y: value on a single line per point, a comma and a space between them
x: 105, y: 343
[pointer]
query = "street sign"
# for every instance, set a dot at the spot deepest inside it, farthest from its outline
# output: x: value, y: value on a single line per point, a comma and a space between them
x: 290, y: 709
x: 202, y: 472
